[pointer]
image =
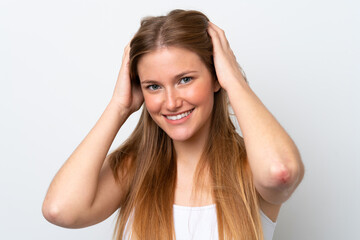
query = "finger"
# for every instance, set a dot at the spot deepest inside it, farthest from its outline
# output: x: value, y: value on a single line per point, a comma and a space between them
x: 221, y: 33
x: 214, y: 37
x: 126, y: 57
x: 126, y: 51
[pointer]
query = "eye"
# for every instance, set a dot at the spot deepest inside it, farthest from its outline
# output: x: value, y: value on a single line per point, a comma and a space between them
x: 153, y: 87
x: 185, y: 80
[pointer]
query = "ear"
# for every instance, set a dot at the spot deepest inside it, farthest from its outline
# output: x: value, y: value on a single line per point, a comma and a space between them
x: 216, y: 85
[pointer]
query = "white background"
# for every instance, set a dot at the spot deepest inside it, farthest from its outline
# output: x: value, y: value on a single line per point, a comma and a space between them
x: 59, y: 62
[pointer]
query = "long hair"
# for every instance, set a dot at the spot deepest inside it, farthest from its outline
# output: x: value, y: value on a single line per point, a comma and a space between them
x: 147, y: 159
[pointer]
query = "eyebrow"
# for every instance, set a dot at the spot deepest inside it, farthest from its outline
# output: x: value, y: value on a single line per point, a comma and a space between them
x: 177, y: 76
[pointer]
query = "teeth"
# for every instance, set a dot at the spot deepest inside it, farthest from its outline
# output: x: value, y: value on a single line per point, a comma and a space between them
x: 180, y: 116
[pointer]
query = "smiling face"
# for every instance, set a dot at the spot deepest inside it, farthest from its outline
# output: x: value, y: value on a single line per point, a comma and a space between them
x: 178, y: 91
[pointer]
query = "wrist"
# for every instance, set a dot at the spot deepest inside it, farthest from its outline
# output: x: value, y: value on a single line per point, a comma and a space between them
x: 119, y: 109
x: 237, y: 84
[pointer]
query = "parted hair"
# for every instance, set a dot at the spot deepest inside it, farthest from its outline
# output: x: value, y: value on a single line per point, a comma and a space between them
x: 145, y: 164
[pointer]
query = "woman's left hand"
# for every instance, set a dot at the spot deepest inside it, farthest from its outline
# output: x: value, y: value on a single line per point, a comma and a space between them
x: 227, y: 68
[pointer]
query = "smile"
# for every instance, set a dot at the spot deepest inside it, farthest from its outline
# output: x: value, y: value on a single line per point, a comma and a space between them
x: 179, y: 116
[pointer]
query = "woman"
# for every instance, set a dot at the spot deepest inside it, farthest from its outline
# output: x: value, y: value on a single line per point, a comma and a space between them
x: 184, y: 172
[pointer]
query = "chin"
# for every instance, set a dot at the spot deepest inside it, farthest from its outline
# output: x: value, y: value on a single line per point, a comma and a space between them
x: 179, y: 137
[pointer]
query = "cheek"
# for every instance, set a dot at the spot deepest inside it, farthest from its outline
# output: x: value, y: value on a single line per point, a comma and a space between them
x: 201, y: 95
x: 152, y: 102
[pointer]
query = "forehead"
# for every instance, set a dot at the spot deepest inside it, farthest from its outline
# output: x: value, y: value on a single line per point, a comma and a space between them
x: 168, y: 62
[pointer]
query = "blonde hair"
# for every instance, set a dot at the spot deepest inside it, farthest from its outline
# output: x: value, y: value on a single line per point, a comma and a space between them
x: 146, y: 161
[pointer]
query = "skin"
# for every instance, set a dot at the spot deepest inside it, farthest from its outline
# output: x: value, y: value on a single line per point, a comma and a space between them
x: 84, y: 191
x: 167, y: 93
x: 274, y: 158
x: 174, y: 81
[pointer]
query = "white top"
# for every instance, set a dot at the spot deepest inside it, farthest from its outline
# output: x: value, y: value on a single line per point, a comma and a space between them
x: 200, y: 223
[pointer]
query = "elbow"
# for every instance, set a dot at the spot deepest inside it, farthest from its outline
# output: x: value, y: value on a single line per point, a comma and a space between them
x: 55, y: 215
x: 281, y: 181
x: 286, y: 176
x: 50, y: 213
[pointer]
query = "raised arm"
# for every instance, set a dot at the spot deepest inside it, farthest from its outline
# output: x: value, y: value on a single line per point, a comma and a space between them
x: 84, y: 191
x: 273, y: 157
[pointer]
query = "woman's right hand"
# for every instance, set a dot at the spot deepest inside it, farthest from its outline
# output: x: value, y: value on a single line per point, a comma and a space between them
x: 127, y: 95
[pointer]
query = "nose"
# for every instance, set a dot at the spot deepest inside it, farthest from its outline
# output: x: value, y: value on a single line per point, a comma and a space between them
x: 173, y: 100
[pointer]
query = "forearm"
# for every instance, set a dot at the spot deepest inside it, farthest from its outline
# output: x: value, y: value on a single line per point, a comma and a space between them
x: 273, y: 157
x: 74, y: 187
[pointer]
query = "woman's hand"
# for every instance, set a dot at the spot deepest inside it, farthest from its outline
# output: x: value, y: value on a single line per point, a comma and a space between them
x: 227, y: 69
x: 126, y: 95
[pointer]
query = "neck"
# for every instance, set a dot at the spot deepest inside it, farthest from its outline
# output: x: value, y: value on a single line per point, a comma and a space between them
x: 188, y: 153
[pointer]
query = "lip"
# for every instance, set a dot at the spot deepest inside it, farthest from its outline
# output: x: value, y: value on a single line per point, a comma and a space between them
x: 174, y: 114
x: 178, y: 121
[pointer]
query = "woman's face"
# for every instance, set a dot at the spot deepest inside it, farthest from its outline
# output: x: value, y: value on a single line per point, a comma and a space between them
x: 178, y: 91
